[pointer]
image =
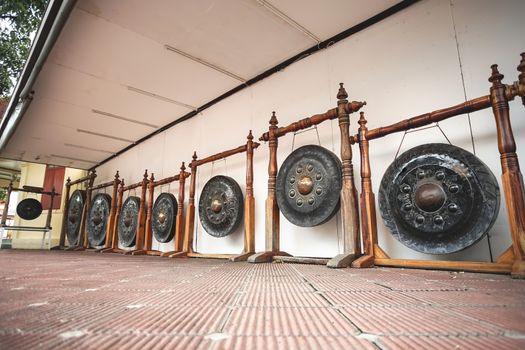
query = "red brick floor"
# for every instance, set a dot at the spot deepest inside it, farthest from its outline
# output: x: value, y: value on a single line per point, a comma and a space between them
x: 83, y: 300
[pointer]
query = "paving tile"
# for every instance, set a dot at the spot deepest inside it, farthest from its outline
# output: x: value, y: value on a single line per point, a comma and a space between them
x: 464, y: 297
x: 510, y: 318
x: 463, y: 343
x: 282, y: 321
x: 416, y: 321
x: 372, y: 298
x: 292, y: 343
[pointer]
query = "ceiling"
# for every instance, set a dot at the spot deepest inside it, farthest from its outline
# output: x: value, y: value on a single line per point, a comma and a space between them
x: 118, y: 73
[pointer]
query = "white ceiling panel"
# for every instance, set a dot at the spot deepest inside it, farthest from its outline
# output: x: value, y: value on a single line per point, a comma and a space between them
x: 95, y: 46
x: 330, y: 17
x: 239, y: 35
x: 92, y: 93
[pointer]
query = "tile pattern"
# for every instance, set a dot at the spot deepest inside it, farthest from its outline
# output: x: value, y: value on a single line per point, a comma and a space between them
x: 84, y: 300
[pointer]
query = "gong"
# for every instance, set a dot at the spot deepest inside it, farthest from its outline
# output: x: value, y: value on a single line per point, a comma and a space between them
x: 98, y: 219
x: 163, y: 217
x: 438, y: 198
x: 29, y: 209
x: 128, y: 221
x: 309, y: 186
x: 74, y: 215
x: 221, y: 206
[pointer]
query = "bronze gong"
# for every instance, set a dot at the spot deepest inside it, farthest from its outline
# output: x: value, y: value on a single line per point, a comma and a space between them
x: 309, y: 186
x: 29, y: 209
x: 221, y: 206
x: 438, y: 198
x: 128, y: 221
x: 163, y: 217
x: 98, y: 218
x: 74, y: 215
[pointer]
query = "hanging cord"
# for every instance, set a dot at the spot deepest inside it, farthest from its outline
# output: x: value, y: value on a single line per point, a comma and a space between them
x: 462, y: 76
x: 436, y: 125
x: 305, y: 130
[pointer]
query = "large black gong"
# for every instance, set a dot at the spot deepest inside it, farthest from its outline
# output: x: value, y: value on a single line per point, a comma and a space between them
x: 29, y: 209
x: 438, y: 198
x: 98, y: 219
x: 221, y: 206
x: 309, y: 186
x: 128, y: 221
x: 74, y: 215
x: 163, y: 217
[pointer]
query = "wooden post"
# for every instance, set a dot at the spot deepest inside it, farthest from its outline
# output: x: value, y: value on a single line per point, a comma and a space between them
x: 83, y: 232
x: 511, y: 175
x: 85, y: 209
x: 249, y: 206
x: 139, y: 235
x: 62, y: 240
x: 349, y: 240
x: 368, y: 205
x: 190, y: 213
x: 118, y: 207
x: 50, y: 210
x: 148, y: 233
x: 272, y: 235
x: 179, y: 226
x: 6, y: 204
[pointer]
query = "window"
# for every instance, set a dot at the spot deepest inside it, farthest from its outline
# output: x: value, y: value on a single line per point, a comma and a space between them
x: 54, y: 178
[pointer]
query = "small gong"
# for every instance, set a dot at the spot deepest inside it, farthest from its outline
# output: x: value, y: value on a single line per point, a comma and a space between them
x: 98, y: 219
x: 438, y: 198
x: 221, y: 206
x: 309, y: 186
x: 74, y: 215
x: 29, y: 209
x: 163, y: 217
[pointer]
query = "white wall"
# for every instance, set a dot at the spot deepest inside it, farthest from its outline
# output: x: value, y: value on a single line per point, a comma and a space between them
x: 403, y: 66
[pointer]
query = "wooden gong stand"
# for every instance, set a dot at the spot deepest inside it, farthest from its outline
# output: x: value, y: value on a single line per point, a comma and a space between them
x: 513, y: 259
x: 29, y: 189
x: 139, y: 235
x: 349, y: 208
x: 249, y: 205
x: 88, y: 182
x: 111, y: 217
x: 179, y: 228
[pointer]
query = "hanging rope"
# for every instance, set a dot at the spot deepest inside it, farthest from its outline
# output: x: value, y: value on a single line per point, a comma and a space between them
x: 306, y: 130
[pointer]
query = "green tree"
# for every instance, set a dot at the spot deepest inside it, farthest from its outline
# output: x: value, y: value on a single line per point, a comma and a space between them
x: 19, y: 20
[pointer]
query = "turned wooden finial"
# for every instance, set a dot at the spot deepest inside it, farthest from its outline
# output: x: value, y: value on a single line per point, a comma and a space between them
x: 146, y: 175
x: 194, y: 157
x: 152, y: 178
x: 273, y: 119
x: 117, y: 175
x: 342, y: 94
x: 362, y: 121
x: 68, y: 179
x: 121, y: 184
x: 182, y: 167
x: 93, y: 172
x: 521, y: 69
x: 496, y: 75
x: 250, y: 136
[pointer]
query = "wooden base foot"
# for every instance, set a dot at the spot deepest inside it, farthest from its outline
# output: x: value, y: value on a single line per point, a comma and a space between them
x: 77, y: 249
x: 152, y: 252
x: 167, y: 254
x: 363, y: 262
x: 178, y: 255
x: 518, y: 270
x: 107, y: 250
x: 138, y: 252
x: 341, y: 260
x: 241, y: 257
x: 58, y: 247
x: 265, y: 257
x: 300, y: 260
